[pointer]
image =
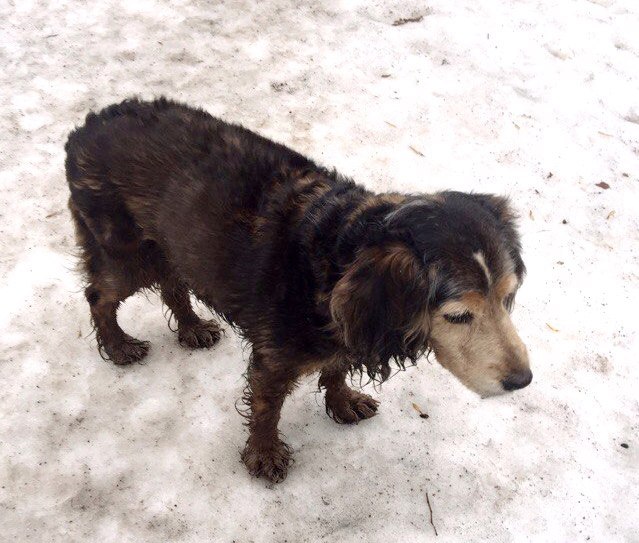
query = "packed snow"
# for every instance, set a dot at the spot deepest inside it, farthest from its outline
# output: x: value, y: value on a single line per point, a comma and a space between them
x: 535, y: 99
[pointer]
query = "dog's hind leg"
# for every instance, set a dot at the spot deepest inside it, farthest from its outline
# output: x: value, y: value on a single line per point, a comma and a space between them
x: 111, y: 279
x: 193, y: 332
x: 343, y: 404
x: 113, y: 342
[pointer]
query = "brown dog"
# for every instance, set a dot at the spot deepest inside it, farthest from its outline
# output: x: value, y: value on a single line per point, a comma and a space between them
x: 317, y: 273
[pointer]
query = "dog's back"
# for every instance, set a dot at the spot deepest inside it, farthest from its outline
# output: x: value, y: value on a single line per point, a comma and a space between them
x: 133, y: 163
x: 157, y: 171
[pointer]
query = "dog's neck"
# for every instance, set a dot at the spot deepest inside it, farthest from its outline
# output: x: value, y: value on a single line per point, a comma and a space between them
x: 336, y: 224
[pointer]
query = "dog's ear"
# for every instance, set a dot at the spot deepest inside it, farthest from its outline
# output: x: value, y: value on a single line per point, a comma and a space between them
x: 380, y: 307
x: 500, y: 208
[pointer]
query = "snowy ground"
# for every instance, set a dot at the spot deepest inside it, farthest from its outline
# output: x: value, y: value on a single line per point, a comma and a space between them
x: 535, y: 99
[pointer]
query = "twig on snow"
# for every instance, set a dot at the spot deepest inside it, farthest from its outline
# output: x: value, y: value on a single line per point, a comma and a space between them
x: 415, y: 150
x: 431, y: 514
x: 403, y: 21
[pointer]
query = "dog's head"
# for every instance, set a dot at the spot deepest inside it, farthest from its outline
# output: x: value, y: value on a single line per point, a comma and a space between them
x: 442, y: 275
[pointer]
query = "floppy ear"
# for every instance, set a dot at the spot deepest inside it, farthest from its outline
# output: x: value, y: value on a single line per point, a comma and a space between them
x: 380, y: 306
x: 500, y: 208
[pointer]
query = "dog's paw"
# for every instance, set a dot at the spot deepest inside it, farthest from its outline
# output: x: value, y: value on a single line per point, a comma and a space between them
x: 200, y: 335
x: 128, y: 351
x: 350, y: 406
x: 270, y: 461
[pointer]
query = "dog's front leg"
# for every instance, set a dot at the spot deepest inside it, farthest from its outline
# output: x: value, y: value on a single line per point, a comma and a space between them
x: 343, y: 404
x: 270, y: 379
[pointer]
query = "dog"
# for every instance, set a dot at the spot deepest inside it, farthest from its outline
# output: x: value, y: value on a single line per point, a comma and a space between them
x: 316, y: 272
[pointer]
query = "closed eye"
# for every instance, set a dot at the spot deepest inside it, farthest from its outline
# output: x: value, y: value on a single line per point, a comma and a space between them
x: 460, y: 318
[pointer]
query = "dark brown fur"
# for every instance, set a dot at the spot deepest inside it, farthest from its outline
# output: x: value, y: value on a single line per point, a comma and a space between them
x: 317, y: 273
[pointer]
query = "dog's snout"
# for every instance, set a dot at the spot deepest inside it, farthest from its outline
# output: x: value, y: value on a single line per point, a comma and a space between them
x: 517, y: 380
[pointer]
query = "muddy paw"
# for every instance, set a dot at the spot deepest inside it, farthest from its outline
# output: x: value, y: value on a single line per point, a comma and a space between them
x: 270, y: 462
x: 128, y: 351
x: 201, y: 335
x: 349, y: 406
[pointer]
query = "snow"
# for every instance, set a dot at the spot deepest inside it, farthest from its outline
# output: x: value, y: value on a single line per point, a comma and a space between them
x: 534, y: 99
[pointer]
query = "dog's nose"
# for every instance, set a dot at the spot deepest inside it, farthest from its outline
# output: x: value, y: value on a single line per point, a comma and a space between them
x: 517, y: 380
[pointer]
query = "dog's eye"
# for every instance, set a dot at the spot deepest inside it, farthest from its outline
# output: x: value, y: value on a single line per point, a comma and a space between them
x: 461, y: 318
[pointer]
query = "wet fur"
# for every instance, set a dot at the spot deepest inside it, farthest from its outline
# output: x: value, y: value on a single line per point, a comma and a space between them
x: 316, y: 272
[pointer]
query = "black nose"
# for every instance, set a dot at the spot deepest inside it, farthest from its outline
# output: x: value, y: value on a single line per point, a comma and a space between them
x: 517, y: 380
